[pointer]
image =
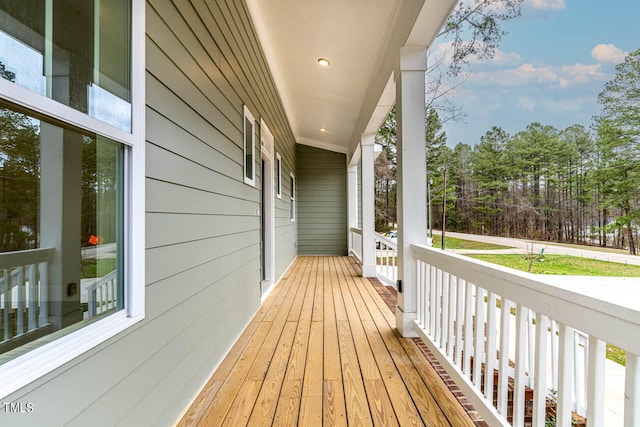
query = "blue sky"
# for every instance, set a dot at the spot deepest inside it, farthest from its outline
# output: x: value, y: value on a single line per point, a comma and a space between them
x: 550, y: 67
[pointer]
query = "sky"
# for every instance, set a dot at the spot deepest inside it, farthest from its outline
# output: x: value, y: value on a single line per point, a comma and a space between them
x: 550, y: 67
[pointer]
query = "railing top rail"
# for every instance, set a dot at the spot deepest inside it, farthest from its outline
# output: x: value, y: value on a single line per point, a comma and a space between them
x: 31, y: 256
x: 103, y: 280
x: 387, y: 241
x: 356, y: 230
x: 592, y: 305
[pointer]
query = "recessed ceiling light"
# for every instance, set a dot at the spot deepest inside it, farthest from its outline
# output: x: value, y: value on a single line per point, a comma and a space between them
x: 323, y: 129
x: 323, y: 62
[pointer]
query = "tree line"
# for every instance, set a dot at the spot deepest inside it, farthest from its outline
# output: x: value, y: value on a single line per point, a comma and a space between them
x: 576, y: 185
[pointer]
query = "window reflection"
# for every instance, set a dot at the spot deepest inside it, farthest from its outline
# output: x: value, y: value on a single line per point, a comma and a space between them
x: 74, y: 51
x: 61, y: 228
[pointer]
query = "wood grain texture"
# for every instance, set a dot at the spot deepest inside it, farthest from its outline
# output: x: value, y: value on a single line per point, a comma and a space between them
x: 323, y: 351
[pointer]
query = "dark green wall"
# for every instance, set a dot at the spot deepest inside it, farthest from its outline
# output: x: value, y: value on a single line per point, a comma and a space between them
x: 322, y: 202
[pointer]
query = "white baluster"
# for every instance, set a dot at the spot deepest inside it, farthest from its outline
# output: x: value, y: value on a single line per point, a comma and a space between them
x: 7, y: 304
x: 22, y: 299
x: 521, y: 356
x: 479, y: 338
x: 540, y: 381
x: 433, y: 329
x: 43, y: 312
x: 596, y: 383
x: 444, y: 281
x: 438, y: 306
x: 33, y: 298
x: 632, y: 391
x: 503, y: 375
x: 459, y: 321
x: 452, y: 316
x: 565, y: 357
x: 490, y: 362
x: 468, y: 328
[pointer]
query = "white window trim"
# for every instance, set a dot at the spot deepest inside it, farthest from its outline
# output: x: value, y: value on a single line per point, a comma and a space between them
x: 24, y: 369
x: 279, y: 176
x: 247, y: 115
x: 293, y: 197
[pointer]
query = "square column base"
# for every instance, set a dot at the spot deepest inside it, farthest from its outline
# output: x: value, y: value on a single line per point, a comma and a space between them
x: 368, y: 270
x: 404, y: 323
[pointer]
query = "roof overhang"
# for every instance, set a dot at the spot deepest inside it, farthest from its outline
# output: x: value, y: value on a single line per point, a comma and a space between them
x: 331, y: 107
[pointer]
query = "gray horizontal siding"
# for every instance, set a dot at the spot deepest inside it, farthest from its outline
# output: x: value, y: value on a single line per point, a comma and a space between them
x: 202, y: 225
x: 321, y: 202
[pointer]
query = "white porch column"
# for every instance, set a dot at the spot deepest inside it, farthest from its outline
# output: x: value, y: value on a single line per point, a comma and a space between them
x: 60, y: 217
x: 352, y: 196
x: 411, y: 172
x: 367, y: 143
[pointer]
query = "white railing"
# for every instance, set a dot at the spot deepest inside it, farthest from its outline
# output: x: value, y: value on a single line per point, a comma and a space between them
x: 355, y: 240
x: 103, y: 295
x: 534, y: 331
x: 23, y: 291
x: 386, y: 259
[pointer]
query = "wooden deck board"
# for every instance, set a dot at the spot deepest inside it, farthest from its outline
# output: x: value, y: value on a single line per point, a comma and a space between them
x: 322, y: 350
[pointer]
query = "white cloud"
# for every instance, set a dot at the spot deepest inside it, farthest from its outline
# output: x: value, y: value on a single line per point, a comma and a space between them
x: 444, y: 52
x: 525, y: 103
x: 506, y: 58
x: 528, y: 74
x: 548, y: 4
x: 608, y: 53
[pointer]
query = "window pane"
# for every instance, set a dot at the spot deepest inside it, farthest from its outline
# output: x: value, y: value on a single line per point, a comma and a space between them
x: 74, y: 51
x: 248, y: 148
x: 61, y: 194
x: 279, y: 175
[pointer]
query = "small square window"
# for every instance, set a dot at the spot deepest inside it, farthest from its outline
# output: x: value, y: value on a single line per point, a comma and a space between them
x: 293, y: 197
x: 278, y: 176
x: 249, y: 147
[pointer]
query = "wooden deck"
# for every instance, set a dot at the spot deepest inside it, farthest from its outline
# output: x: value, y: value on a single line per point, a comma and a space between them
x: 323, y: 350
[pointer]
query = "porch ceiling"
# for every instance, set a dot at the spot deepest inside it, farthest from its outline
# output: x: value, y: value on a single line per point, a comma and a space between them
x: 361, y: 39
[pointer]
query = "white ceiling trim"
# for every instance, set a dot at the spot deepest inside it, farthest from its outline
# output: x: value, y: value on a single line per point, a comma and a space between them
x: 345, y: 112
x: 323, y: 145
x: 263, y: 38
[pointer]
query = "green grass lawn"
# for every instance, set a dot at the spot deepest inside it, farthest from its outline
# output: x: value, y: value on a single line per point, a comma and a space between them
x: 454, y: 243
x: 97, y: 267
x: 564, y: 265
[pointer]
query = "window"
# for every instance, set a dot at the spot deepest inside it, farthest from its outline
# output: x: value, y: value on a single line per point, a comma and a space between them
x: 293, y: 197
x: 249, y: 147
x: 71, y: 180
x: 278, y: 176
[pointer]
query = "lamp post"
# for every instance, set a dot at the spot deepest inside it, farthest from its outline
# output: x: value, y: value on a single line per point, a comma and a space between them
x: 429, y: 215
